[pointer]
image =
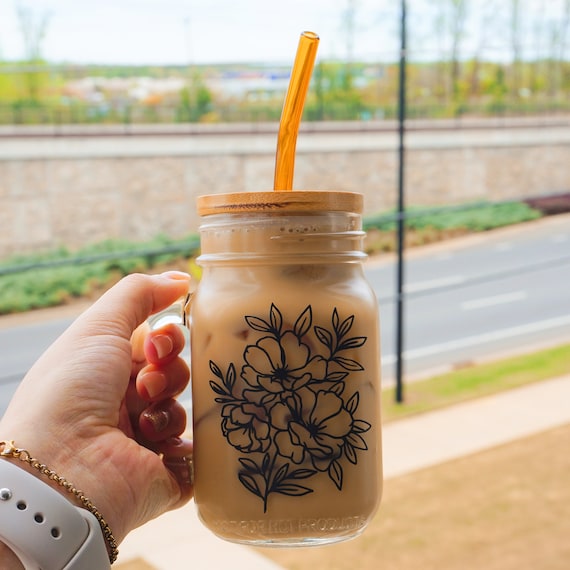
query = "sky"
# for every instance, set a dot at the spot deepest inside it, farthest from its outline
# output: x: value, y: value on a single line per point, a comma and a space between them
x: 225, y: 31
x: 179, y: 31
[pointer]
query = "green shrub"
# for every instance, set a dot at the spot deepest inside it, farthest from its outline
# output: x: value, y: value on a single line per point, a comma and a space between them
x: 472, y: 217
x: 57, y: 276
x: 54, y: 277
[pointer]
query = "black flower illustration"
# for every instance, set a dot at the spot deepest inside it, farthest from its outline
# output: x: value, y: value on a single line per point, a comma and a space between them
x: 281, y: 364
x: 319, y: 429
x: 288, y: 412
x: 246, y: 427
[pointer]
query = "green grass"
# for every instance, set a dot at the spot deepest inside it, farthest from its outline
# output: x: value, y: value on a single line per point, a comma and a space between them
x: 474, y: 382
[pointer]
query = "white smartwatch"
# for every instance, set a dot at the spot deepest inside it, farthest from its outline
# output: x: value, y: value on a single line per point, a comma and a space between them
x: 43, y: 528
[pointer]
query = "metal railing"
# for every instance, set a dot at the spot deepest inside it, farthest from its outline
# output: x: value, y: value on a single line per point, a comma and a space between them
x: 190, y: 246
x: 20, y: 113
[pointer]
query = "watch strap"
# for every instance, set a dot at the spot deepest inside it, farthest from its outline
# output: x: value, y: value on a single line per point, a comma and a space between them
x: 44, y: 529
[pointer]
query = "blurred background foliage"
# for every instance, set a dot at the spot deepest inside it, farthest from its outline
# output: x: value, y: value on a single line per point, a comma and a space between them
x: 518, y: 64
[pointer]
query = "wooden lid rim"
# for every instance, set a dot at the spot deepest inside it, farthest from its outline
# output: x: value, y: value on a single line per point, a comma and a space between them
x: 295, y: 201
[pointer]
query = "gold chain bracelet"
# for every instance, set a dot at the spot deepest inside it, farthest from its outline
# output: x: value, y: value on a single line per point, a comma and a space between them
x: 9, y: 449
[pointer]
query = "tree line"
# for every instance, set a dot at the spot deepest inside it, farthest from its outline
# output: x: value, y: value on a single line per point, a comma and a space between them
x: 466, y: 57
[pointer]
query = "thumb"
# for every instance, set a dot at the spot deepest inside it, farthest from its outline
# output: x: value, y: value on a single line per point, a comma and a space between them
x: 115, y: 315
x: 132, y: 300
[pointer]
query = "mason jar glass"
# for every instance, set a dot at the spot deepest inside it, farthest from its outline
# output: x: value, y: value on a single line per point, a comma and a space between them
x: 285, y: 362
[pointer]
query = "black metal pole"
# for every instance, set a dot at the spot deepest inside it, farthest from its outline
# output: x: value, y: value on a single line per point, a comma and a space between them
x: 401, y: 214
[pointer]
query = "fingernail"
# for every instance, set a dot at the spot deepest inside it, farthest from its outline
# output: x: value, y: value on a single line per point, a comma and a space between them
x: 176, y: 275
x: 162, y: 344
x: 154, y: 383
x: 158, y: 418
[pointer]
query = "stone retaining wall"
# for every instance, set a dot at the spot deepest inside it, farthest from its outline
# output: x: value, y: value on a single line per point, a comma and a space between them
x: 73, y: 190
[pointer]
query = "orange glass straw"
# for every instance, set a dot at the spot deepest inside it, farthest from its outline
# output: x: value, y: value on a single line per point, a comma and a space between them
x: 293, y: 110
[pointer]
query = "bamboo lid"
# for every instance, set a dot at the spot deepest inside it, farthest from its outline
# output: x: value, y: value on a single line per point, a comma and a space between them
x: 294, y: 201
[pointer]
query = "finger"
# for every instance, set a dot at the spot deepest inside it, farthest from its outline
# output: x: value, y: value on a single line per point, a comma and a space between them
x: 132, y: 409
x: 163, y: 420
x: 177, y: 458
x: 175, y: 448
x: 154, y: 385
x: 163, y: 344
x: 137, y: 343
x: 156, y: 382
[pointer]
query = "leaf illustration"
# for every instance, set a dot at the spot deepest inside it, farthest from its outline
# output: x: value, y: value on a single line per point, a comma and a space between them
x: 217, y: 388
x: 335, y: 319
x: 230, y: 378
x: 281, y: 473
x: 265, y: 463
x: 249, y: 465
x: 357, y: 441
x: 360, y: 426
x: 335, y: 473
x: 348, y: 364
x: 216, y: 370
x: 350, y: 453
x: 301, y: 474
x: 352, y: 404
x: 258, y: 324
x: 337, y: 376
x: 354, y: 342
x: 292, y: 490
x: 303, y: 323
x: 324, y: 336
x: 276, y: 318
x: 345, y: 326
x: 249, y: 482
x: 225, y: 400
x: 338, y: 388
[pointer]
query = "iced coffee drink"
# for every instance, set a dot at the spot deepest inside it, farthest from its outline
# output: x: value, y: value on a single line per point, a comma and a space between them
x: 285, y: 370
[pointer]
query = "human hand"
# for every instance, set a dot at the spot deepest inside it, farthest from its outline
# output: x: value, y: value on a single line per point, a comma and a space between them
x: 98, y: 406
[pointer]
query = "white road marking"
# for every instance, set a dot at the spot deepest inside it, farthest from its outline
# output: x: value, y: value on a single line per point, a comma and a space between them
x: 560, y: 238
x: 480, y: 339
x: 493, y: 300
x: 434, y: 283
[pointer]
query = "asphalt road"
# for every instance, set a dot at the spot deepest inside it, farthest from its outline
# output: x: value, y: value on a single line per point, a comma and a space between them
x: 466, y: 300
x: 479, y: 298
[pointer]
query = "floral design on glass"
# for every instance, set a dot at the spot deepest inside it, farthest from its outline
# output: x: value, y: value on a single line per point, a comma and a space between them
x: 289, y: 413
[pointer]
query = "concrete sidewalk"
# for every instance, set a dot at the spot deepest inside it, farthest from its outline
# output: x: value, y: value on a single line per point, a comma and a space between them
x: 178, y: 541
